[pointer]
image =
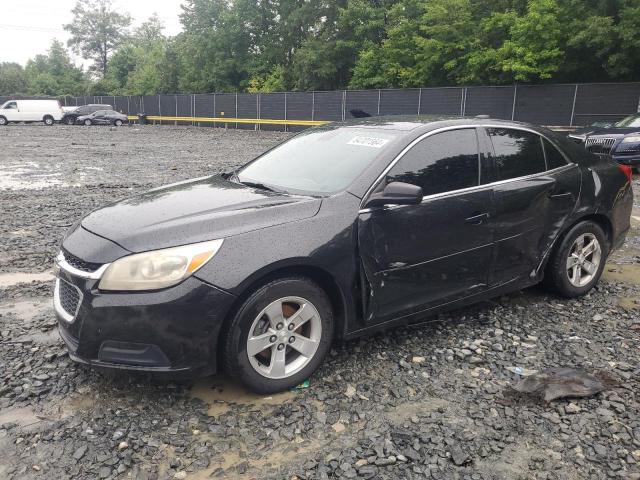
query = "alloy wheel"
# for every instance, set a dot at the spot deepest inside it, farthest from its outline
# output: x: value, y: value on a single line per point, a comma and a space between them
x: 584, y: 260
x: 284, y: 337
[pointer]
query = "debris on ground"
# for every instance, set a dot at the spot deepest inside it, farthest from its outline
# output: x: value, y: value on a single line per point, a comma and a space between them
x: 554, y: 383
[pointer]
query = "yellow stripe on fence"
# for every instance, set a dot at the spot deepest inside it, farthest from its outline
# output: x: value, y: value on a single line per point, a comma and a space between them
x: 260, y: 121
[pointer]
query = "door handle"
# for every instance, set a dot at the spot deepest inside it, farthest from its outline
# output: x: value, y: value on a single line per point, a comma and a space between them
x: 559, y: 194
x: 477, y: 218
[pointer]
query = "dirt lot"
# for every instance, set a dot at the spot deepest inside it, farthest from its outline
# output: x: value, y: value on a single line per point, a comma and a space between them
x: 374, y: 410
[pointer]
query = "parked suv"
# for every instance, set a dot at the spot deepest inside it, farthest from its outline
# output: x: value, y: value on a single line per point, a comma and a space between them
x: 71, y: 116
x: 619, y: 141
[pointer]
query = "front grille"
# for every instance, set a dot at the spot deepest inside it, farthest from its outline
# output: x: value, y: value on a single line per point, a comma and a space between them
x: 80, y: 264
x: 600, y: 145
x: 69, y: 297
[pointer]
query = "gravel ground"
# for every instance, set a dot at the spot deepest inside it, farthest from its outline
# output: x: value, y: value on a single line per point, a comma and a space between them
x: 428, y: 401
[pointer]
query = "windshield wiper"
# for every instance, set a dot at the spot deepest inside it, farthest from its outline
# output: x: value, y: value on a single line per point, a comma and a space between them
x: 261, y: 186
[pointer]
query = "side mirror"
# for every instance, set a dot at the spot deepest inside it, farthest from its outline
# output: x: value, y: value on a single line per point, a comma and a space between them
x: 396, y: 193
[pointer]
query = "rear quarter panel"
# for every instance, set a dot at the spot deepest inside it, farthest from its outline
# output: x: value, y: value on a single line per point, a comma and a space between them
x: 605, y: 191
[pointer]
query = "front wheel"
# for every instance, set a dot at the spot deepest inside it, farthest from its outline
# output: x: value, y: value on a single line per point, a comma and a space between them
x: 48, y: 120
x: 118, y: 123
x: 279, y: 336
x: 70, y: 120
x: 577, y: 262
x: 87, y: 122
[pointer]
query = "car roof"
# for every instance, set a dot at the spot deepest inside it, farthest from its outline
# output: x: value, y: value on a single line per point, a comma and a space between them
x: 425, y: 123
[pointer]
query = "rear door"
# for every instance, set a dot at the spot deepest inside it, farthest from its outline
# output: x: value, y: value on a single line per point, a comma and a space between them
x: 416, y: 257
x: 531, y: 201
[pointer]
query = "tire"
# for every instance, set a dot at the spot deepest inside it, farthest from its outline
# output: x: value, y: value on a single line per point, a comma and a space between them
x: 118, y: 123
x: 568, y: 258
x: 3, y: 121
x: 70, y: 120
x: 48, y: 120
x: 259, y: 371
x: 87, y: 122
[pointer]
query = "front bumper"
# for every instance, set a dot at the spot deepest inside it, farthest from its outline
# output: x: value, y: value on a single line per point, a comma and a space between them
x: 171, y: 330
x: 633, y: 160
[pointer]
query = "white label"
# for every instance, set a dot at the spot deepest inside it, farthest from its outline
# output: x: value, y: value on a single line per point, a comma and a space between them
x: 368, y: 142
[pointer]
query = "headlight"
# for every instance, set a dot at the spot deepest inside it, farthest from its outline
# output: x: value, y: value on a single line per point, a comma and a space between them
x: 158, y: 268
x: 631, y: 139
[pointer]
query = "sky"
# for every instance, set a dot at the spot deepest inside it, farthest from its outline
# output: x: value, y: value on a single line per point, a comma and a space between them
x: 28, y: 26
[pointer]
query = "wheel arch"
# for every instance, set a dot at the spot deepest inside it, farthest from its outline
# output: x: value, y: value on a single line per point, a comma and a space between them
x: 318, y: 275
x: 598, y: 218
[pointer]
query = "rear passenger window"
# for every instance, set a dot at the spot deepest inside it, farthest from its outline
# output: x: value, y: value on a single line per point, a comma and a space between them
x: 517, y: 153
x: 554, y: 157
x: 443, y: 162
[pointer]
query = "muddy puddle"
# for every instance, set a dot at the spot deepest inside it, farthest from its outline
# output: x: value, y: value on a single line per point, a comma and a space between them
x: 221, y: 394
x: 11, y: 279
x: 622, y: 273
x: 629, y: 303
x: 26, y: 309
x: 22, y: 417
x: 28, y: 176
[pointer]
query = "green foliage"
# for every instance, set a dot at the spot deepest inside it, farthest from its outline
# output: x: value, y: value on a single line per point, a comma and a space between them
x: 96, y: 31
x: 276, y: 45
x: 54, y: 74
x: 12, y: 79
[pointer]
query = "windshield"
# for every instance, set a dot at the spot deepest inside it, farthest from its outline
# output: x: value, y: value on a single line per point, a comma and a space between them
x: 630, y: 122
x: 319, y: 160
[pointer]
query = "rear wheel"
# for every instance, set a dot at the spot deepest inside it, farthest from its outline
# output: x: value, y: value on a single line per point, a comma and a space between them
x: 279, y: 336
x: 3, y: 120
x: 577, y: 262
x: 87, y: 122
x: 48, y: 120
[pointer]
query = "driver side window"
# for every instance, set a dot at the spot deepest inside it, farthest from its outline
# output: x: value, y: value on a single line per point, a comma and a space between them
x: 441, y: 163
x: 12, y: 106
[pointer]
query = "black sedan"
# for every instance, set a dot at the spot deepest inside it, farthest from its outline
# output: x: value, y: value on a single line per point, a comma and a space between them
x: 341, y: 230
x: 620, y: 140
x: 103, y: 117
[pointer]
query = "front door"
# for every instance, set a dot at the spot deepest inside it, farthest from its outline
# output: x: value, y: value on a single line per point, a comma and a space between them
x: 420, y: 256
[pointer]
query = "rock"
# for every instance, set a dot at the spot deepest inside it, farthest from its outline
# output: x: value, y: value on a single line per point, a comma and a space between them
x: 338, y: 427
x: 572, y: 408
x: 80, y: 451
x: 458, y: 456
x: 418, y: 360
x: 180, y: 475
x: 383, y: 462
x: 104, y: 472
x: 351, y: 391
x: 123, y: 446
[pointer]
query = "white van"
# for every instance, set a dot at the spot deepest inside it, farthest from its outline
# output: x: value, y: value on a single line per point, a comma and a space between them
x: 47, y: 111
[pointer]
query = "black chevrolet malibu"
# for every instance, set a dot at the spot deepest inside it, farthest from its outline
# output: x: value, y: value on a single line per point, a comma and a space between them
x: 339, y: 231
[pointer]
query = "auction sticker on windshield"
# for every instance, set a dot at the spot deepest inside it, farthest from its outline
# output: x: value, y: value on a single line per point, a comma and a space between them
x: 373, y: 142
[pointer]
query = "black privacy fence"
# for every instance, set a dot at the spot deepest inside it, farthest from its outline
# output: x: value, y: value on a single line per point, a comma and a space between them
x: 552, y: 105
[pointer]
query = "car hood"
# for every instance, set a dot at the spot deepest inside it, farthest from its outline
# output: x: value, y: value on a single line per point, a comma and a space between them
x: 195, y: 211
x: 610, y: 131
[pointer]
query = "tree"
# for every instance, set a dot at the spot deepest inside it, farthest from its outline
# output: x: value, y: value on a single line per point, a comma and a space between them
x: 96, y: 31
x: 12, y: 79
x: 54, y: 73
